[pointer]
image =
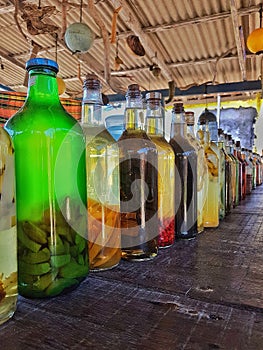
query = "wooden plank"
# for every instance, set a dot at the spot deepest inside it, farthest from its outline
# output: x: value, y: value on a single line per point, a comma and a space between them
x: 202, y: 294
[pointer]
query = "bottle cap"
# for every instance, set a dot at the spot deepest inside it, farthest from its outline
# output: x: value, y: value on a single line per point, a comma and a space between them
x: 153, y: 95
x: 133, y: 91
x: 178, y: 107
x: 42, y: 62
x: 92, y: 82
x: 190, y: 118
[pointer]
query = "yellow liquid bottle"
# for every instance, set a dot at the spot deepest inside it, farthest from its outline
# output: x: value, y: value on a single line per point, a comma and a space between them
x: 103, y: 189
x: 166, y: 168
x: 202, y: 170
x: 211, y: 207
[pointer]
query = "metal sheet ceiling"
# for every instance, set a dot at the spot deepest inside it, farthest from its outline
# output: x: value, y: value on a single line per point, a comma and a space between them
x: 193, y: 42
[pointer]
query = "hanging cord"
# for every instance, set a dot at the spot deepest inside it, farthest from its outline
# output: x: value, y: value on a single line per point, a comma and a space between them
x: 39, y: 4
x: 56, y: 47
x: 260, y: 16
x: 80, y: 14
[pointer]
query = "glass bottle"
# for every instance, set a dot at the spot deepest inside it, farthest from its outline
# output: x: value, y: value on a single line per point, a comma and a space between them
x: 202, y: 170
x: 8, y: 232
x: 228, y: 173
x: 223, y: 159
x: 244, y: 165
x: 185, y: 176
x: 50, y: 188
x: 254, y: 175
x: 138, y: 183
x: 233, y: 168
x: 249, y: 171
x: 209, y: 118
x: 237, y: 163
x: 239, y: 174
x: 166, y: 190
x: 211, y: 208
x: 102, y: 162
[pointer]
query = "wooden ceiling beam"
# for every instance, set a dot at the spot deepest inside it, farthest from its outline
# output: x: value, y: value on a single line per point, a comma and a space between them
x: 239, y: 40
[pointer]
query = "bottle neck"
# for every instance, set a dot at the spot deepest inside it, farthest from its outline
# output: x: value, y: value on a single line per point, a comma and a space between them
x: 154, y: 118
x: 190, y: 130
x: 178, y: 124
x: 42, y: 87
x: 134, y: 113
x: 91, y: 113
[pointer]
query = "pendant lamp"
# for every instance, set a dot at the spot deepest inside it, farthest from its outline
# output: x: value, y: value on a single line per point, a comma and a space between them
x: 255, y: 39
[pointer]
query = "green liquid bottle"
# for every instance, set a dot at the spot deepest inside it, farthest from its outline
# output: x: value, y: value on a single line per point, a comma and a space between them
x: 50, y: 188
x: 8, y: 232
x: 103, y: 181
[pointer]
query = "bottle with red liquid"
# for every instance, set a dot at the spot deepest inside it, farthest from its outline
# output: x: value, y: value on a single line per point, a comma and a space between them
x: 138, y: 183
x: 155, y: 115
x: 185, y: 176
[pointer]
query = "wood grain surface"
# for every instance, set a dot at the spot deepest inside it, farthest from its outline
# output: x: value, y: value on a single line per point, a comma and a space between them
x: 205, y: 293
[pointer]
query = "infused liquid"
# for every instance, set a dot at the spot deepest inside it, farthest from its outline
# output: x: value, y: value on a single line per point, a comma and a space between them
x: 8, y: 233
x: 138, y: 190
x: 104, y: 232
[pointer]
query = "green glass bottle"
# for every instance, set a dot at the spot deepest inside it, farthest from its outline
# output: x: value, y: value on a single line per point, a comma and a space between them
x: 103, y: 181
x: 8, y: 232
x: 166, y: 167
x: 138, y: 183
x: 50, y: 188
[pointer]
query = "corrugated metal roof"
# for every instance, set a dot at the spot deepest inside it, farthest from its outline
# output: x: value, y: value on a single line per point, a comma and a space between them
x: 193, y: 42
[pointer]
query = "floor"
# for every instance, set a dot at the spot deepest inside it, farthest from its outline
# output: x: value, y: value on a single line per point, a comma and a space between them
x: 206, y: 293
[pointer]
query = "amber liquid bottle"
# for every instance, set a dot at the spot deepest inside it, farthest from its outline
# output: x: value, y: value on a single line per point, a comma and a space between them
x: 202, y: 170
x: 243, y: 169
x: 228, y: 174
x: 103, y: 183
x: 138, y: 183
x: 233, y: 170
x: 166, y: 166
x: 185, y: 176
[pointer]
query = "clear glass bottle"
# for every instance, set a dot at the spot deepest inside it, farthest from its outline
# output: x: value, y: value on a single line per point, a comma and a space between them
x: 166, y: 166
x: 222, y: 176
x: 228, y: 173
x: 8, y: 232
x: 50, y: 188
x: 211, y: 208
x: 209, y: 118
x: 249, y: 171
x: 233, y: 168
x: 138, y: 183
x: 244, y: 165
x: 237, y: 163
x: 202, y: 170
x: 103, y: 181
x: 239, y: 174
x: 185, y: 176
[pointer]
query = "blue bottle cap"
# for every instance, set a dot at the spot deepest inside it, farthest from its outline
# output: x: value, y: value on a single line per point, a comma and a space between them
x: 41, y: 62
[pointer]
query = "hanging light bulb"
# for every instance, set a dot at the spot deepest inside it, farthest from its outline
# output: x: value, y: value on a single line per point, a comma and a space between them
x: 255, y: 39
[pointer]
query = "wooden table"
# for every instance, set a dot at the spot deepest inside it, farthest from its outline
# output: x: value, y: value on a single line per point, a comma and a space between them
x: 202, y: 294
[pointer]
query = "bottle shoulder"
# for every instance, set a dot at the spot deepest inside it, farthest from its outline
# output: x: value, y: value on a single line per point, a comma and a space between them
x: 41, y: 118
